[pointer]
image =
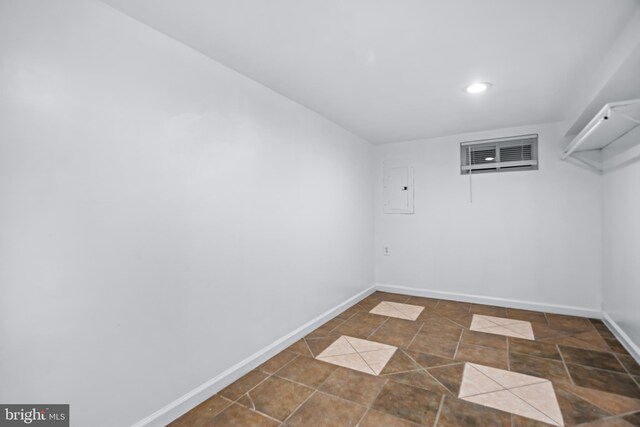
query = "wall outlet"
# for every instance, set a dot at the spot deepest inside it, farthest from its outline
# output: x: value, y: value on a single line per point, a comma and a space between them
x: 386, y: 251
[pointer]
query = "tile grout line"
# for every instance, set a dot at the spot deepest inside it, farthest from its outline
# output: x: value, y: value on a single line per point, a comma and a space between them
x: 455, y: 353
x: 369, y: 408
x: 315, y: 390
x: 414, y: 337
x: 435, y: 422
x: 564, y: 364
x: 376, y: 329
x: 358, y: 353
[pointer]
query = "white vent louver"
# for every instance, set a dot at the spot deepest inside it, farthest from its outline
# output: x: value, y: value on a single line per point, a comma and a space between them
x: 499, y: 155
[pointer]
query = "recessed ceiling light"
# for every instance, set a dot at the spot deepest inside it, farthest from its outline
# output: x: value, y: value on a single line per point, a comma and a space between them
x: 478, y: 87
x: 488, y: 159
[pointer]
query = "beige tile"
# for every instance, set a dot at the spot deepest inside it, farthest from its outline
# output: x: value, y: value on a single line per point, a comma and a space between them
x: 398, y: 310
x: 542, y: 397
x: 506, y: 401
x: 502, y: 326
x: 475, y: 382
x: 351, y: 361
x: 361, y: 345
x: 358, y: 354
x: 480, y: 322
x: 508, y: 379
x: 501, y: 321
x: 339, y: 347
x: 377, y: 360
x: 524, y: 329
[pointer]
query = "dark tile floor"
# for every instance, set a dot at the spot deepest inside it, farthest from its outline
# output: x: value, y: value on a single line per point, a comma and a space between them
x: 596, y: 382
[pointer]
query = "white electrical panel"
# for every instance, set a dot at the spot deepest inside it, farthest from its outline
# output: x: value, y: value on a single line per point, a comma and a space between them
x: 398, y: 190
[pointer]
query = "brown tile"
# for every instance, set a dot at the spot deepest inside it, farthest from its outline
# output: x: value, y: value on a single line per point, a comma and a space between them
x: 449, y: 376
x: 307, y: 371
x: 277, y: 397
x: 400, y: 362
x: 388, y: 296
x: 352, y: 385
x: 530, y: 316
x: 322, y: 410
x: 361, y: 325
x: 401, y: 326
x: 452, y: 307
x: 612, y: 403
x: 587, y: 340
x: 429, y: 360
x: 428, y: 303
x: 629, y: 363
x: 350, y: 312
x: 418, y: 379
x: 615, y: 345
x: 277, y: 361
x: 611, y: 382
x: 326, y: 329
x: 407, y: 402
x: 595, y: 359
x: 387, y: 336
x: 538, y: 367
x: 459, y: 318
x: 434, y: 344
x: 442, y: 330
x: 375, y: 418
x: 243, y: 385
x: 318, y: 345
x: 482, y: 355
x: 237, y: 416
x: 300, y: 347
x: 203, y: 413
x: 542, y: 331
x: 456, y: 412
x: 533, y: 348
x: 576, y: 410
x: 488, y: 310
x: 569, y: 322
x: 633, y: 419
x: 484, y: 339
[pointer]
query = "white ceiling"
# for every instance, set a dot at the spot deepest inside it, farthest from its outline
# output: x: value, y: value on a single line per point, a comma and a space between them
x: 394, y: 70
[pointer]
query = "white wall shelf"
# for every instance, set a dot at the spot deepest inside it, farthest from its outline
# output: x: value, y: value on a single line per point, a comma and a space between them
x: 613, y: 121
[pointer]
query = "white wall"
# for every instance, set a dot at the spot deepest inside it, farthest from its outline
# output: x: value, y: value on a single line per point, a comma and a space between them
x: 161, y: 216
x: 533, y: 236
x: 621, y: 225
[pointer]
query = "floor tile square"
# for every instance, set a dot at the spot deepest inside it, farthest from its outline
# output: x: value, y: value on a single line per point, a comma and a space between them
x: 352, y: 385
x: 502, y: 326
x: 361, y: 355
x: 524, y: 395
x: 277, y: 397
x: 398, y: 310
x: 323, y: 410
x: 307, y: 371
x: 407, y: 402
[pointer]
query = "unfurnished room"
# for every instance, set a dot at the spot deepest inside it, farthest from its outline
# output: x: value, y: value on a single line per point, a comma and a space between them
x: 320, y: 213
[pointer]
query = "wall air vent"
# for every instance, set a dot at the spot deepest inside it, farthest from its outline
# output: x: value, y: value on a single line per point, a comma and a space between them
x: 515, y: 153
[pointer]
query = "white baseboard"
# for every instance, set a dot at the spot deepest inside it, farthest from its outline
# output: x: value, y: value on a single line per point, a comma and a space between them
x: 621, y: 335
x: 198, y: 395
x: 501, y: 302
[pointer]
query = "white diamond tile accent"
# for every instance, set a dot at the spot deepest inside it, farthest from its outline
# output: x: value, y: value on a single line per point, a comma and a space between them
x: 502, y: 326
x: 520, y: 394
x: 361, y: 355
x: 398, y: 310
